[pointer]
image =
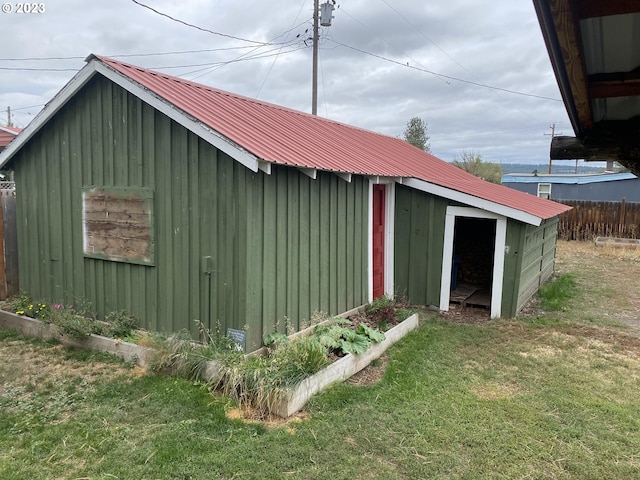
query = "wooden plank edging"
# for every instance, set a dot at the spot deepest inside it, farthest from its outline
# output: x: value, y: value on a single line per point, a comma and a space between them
x: 295, y: 399
x: 342, y: 369
x: 32, y: 327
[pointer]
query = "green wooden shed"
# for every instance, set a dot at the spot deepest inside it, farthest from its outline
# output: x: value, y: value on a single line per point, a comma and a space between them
x: 179, y: 202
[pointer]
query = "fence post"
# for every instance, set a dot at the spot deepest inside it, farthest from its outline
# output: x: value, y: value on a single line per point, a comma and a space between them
x: 10, y: 240
x: 623, y: 204
x: 3, y: 271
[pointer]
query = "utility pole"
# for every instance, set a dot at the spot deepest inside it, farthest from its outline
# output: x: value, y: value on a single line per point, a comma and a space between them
x: 314, y: 85
x: 323, y: 19
x: 553, y: 133
x: 9, y: 124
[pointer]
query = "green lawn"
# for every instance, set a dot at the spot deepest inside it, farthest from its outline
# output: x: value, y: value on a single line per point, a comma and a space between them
x: 508, y: 400
x: 541, y: 398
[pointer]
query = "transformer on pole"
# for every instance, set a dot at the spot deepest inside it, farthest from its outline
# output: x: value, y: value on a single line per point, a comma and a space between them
x: 326, y: 14
x: 322, y: 15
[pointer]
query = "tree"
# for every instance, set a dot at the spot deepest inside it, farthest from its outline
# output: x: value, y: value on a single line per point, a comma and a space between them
x: 472, y: 163
x: 416, y: 134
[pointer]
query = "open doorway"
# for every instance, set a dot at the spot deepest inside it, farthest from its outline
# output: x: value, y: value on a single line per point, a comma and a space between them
x: 472, y: 263
x: 480, y: 244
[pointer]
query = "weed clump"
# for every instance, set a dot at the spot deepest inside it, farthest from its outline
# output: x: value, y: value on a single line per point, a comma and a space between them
x: 556, y: 294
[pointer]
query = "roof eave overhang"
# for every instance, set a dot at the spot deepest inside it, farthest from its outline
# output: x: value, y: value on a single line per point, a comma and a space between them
x: 192, y: 124
x: 561, y: 66
x: 94, y: 66
x: 55, y: 104
x: 474, y: 201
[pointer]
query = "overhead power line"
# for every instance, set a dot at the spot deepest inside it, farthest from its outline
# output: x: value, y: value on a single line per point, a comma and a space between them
x: 25, y: 69
x: 410, y: 23
x: 26, y: 108
x: 126, y: 55
x: 442, y: 75
x: 196, y: 26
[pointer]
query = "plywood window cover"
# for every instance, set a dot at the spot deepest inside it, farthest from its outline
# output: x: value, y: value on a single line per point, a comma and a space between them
x: 118, y: 224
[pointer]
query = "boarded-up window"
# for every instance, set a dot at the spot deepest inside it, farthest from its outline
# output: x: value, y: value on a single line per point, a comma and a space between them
x: 118, y: 224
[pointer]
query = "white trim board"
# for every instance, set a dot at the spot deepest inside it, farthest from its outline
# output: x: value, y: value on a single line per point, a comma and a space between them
x: 50, y: 109
x: 389, y: 237
x: 467, y: 199
x: 498, y: 255
x: 200, y: 129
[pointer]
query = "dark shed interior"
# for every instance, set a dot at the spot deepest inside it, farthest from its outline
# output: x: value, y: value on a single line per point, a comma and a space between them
x: 473, y: 256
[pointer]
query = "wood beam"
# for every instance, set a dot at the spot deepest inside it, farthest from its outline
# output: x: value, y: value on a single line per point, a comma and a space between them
x: 614, y: 140
x: 605, y: 8
x: 618, y: 84
x: 573, y: 148
x: 614, y: 89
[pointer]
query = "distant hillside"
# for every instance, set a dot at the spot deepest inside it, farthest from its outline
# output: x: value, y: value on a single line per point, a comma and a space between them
x: 564, y: 167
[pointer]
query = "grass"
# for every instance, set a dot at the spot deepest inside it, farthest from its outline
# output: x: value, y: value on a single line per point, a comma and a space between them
x: 556, y: 294
x: 507, y: 400
x: 547, y: 398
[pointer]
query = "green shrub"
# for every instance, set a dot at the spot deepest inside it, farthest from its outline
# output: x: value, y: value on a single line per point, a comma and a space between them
x: 120, y: 324
x: 181, y: 355
x: 71, y: 324
x: 23, y: 304
x: 382, y: 311
x: 300, y: 358
x: 342, y: 338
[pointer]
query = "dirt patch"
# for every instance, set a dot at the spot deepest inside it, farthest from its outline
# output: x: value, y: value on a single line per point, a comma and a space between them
x: 371, y: 374
x: 496, y: 391
x: 459, y: 314
x: 250, y: 415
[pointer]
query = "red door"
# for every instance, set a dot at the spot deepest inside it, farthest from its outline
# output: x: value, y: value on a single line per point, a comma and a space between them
x: 378, y: 240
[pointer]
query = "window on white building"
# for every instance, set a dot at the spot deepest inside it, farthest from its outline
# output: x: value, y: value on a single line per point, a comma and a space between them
x: 544, y: 190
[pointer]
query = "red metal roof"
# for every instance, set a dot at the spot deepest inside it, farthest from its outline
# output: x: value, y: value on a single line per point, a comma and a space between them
x: 7, y: 134
x: 288, y: 137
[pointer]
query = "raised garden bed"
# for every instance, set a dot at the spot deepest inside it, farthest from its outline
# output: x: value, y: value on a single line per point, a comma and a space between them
x: 293, y: 399
x: 616, y: 242
x: 341, y: 369
x: 32, y: 327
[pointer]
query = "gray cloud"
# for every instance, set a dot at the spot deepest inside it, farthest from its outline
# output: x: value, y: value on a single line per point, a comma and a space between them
x: 497, y: 43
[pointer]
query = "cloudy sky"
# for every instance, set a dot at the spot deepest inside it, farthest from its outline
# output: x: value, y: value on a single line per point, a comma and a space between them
x: 476, y: 71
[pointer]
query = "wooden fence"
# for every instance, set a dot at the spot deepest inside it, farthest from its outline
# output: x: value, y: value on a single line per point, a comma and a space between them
x: 588, y: 220
x: 8, y: 242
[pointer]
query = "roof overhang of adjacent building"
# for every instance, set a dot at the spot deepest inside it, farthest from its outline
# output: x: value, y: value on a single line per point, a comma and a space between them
x: 593, y: 47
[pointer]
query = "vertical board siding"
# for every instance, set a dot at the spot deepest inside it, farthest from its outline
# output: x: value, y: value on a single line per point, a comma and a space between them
x: 418, y: 245
x: 281, y: 245
x: 105, y: 136
x: 306, y: 251
x: 512, y: 266
x: 538, y: 258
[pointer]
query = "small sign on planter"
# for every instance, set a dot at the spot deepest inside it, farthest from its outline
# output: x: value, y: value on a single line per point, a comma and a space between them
x: 239, y: 337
